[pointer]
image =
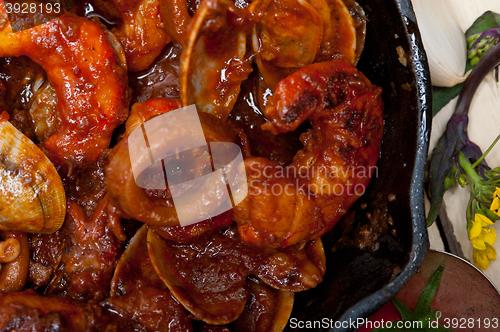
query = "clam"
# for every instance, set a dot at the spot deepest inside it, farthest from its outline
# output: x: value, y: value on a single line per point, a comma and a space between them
x: 208, y: 287
x: 283, y: 311
x: 32, y: 196
x: 134, y: 269
x: 210, y: 276
x: 215, y: 60
x: 290, y: 34
x: 268, y: 310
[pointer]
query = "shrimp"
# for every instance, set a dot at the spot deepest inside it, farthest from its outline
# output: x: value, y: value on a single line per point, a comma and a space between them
x: 175, y: 15
x: 156, y: 207
x: 90, y: 84
x: 307, y: 198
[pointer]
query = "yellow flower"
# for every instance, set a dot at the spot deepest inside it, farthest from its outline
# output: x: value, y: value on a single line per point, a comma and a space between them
x: 495, y: 204
x: 480, y: 234
x: 482, y: 258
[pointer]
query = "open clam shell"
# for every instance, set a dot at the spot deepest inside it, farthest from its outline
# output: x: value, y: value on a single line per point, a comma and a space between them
x: 215, y: 60
x: 220, y: 299
x: 268, y: 309
x: 283, y: 311
x: 32, y: 196
x: 336, y: 28
x: 288, y: 33
x: 209, y: 276
x: 134, y: 269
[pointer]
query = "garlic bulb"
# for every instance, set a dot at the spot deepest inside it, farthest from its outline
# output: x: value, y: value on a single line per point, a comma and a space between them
x: 443, y: 40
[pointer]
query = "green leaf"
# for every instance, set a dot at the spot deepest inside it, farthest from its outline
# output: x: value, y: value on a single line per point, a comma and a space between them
x: 404, y: 311
x: 386, y: 329
x: 422, y: 313
x: 424, y: 301
x: 439, y: 169
x: 489, y: 20
x: 441, y: 328
x: 442, y: 96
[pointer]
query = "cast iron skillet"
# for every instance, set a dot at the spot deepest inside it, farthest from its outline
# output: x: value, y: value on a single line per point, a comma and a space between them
x: 368, y: 259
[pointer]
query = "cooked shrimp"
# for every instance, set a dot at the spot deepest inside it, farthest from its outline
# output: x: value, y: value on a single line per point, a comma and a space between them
x: 90, y: 84
x: 176, y: 17
x: 140, y: 30
x: 307, y: 198
x: 156, y: 207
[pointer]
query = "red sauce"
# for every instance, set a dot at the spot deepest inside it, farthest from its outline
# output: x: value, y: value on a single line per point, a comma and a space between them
x: 160, y: 80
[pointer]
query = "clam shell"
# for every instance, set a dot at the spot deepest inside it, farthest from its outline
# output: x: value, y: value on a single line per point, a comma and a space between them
x: 267, y: 310
x: 209, y: 276
x: 134, y: 269
x: 212, y: 69
x: 283, y: 310
x: 32, y: 196
x: 206, y: 303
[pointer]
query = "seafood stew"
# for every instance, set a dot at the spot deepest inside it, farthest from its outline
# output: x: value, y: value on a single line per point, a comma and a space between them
x: 275, y: 84
x: 362, y: 275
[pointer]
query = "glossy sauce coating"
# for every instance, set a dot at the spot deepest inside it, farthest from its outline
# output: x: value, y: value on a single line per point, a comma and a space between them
x: 138, y: 27
x: 153, y: 309
x: 90, y: 85
x: 330, y: 172
x: 120, y: 278
x: 83, y: 254
x: 208, y: 276
x: 30, y: 311
x: 133, y: 200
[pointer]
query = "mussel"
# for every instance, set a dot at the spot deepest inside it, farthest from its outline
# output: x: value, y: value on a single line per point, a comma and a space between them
x: 32, y: 196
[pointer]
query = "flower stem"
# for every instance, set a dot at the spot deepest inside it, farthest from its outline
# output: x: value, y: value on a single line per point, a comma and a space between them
x: 486, y: 153
x: 468, y: 168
